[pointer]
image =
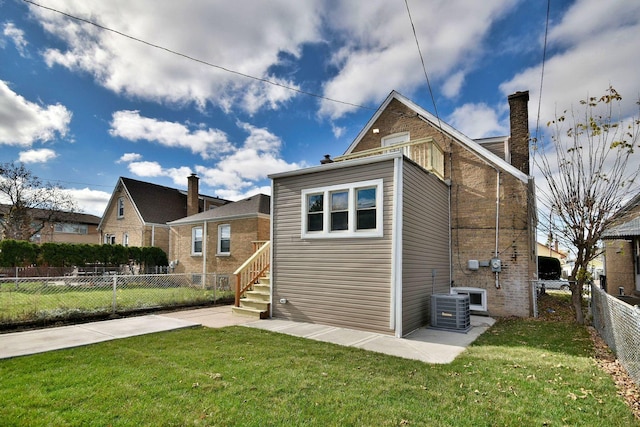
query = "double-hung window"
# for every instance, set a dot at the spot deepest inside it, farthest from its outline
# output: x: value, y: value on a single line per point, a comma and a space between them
x: 121, y: 207
x: 196, y: 241
x: 349, y: 210
x: 224, y: 239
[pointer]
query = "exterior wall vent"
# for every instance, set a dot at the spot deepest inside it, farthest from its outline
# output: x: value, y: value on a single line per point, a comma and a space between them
x: 477, y: 297
x: 450, y: 312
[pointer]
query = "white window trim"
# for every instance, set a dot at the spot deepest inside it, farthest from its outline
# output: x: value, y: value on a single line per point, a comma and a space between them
x: 219, y: 251
x: 351, y: 232
x: 125, y: 239
x: 193, y: 237
x: 119, y: 206
x: 461, y: 290
x: 395, y: 138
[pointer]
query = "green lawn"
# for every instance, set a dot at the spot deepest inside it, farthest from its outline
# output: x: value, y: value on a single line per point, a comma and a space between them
x: 519, y: 373
x: 35, y: 301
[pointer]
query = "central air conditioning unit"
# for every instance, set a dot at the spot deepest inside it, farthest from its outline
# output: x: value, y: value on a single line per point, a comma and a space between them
x: 450, y: 312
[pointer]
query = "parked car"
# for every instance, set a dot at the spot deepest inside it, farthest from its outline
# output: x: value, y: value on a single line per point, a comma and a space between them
x: 549, y: 274
x: 560, y: 284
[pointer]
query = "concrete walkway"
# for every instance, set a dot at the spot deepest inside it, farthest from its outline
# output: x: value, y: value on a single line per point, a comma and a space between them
x: 427, y: 345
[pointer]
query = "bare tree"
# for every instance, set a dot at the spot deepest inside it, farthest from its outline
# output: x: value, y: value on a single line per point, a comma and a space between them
x: 28, y: 203
x: 590, y: 171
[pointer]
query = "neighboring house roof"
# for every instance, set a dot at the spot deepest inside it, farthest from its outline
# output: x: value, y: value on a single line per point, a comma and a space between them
x: 157, y: 204
x: 256, y: 204
x: 628, y: 229
x: 66, y: 217
x: 625, y: 222
x: 467, y: 142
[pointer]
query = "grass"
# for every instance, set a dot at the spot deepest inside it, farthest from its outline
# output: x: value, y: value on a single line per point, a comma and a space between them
x: 35, y: 302
x: 520, y: 372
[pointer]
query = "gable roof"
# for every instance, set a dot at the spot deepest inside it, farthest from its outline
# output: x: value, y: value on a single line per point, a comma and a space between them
x: 62, y: 216
x: 464, y: 140
x: 625, y: 222
x: 157, y: 204
x: 254, y: 205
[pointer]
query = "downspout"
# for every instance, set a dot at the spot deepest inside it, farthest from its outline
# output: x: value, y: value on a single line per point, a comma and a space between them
x: 497, y: 223
x: 153, y: 235
x: 204, y: 253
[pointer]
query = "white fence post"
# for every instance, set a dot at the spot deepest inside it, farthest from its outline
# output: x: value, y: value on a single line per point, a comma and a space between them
x: 114, y: 304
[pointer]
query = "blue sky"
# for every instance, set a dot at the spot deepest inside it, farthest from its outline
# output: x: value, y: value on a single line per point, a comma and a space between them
x: 82, y: 105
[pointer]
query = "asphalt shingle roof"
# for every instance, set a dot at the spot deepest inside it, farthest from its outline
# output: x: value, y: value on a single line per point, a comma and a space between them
x: 158, y: 204
x: 259, y: 203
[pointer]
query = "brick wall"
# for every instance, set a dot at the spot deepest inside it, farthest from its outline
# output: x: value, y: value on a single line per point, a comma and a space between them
x: 130, y: 223
x: 243, y: 233
x: 619, y: 266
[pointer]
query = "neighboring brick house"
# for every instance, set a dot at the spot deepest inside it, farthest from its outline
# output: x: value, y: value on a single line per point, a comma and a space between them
x: 220, y: 240
x: 622, y: 250
x: 61, y: 227
x: 138, y: 212
x: 412, y: 208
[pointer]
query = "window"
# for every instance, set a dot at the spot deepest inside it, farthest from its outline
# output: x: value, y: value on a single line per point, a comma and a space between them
x: 109, y: 239
x: 396, y: 138
x: 477, y: 297
x: 196, y: 241
x: 71, y: 228
x: 339, y: 210
x: 121, y: 207
x: 125, y: 239
x: 224, y: 239
x: 349, y: 210
x: 315, y: 207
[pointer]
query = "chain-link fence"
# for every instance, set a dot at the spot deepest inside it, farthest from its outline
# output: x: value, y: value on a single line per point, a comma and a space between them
x: 618, y: 323
x: 87, y: 294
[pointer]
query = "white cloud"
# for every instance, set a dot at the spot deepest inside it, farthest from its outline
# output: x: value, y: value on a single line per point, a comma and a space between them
x: 374, y: 62
x: 131, y: 125
x: 244, y: 36
x: 146, y: 169
x: 25, y: 122
x: 17, y: 36
x: 453, y: 84
x: 477, y: 121
x: 129, y: 157
x: 593, y: 46
x: 89, y: 201
x: 154, y: 169
x: 254, y: 161
x: 41, y: 155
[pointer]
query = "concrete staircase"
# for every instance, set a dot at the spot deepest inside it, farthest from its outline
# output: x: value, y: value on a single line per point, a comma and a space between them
x: 256, y: 302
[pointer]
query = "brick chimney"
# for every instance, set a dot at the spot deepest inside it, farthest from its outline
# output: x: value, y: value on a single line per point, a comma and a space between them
x: 192, y: 195
x: 519, y: 122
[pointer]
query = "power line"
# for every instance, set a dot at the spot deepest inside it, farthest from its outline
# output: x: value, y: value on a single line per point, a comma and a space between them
x: 191, y: 58
x: 544, y: 58
x: 424, y: 68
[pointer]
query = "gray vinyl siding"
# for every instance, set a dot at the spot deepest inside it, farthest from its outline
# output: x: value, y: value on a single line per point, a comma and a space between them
x: 342, y: 282
x: 425, y: 244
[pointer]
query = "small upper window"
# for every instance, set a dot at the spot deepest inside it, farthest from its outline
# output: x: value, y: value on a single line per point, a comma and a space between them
x: 224, y: 239
x: 396, y: 138
x: 196, y: 241
x: 121, y: 207
x: 349, y: 210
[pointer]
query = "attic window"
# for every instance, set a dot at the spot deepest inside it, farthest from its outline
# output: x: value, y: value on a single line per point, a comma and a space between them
x: 343, y: 211
x: 121, y: 207
x: 396, y: 138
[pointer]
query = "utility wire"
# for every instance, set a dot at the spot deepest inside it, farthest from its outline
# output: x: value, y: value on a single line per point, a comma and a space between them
x: 424, y: 68
x: 191, y: 58
x: 544, y: 58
